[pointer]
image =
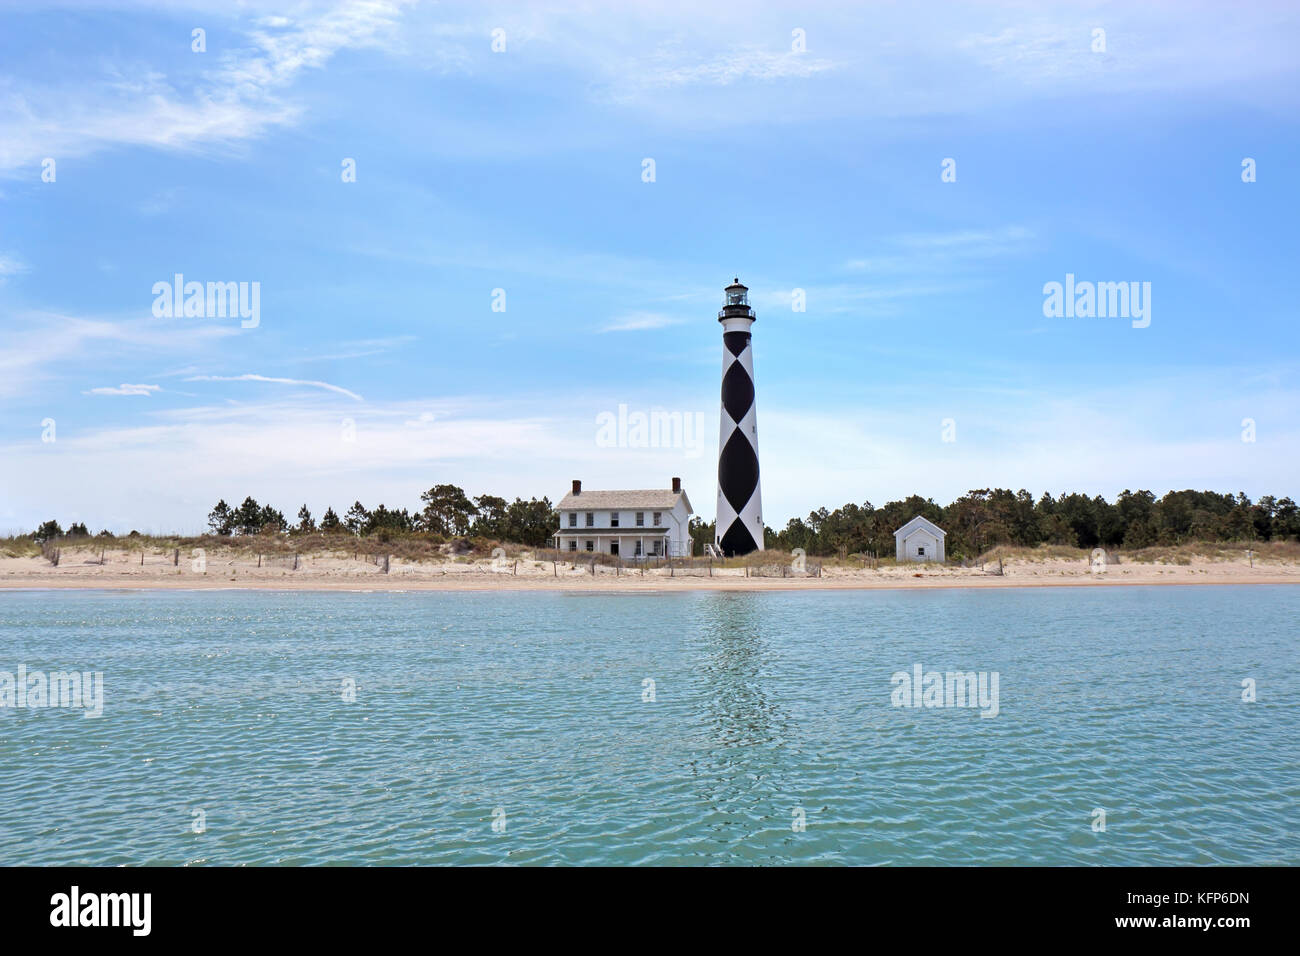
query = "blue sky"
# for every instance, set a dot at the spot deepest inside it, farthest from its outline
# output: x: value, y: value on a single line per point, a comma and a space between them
x: 521, y: 170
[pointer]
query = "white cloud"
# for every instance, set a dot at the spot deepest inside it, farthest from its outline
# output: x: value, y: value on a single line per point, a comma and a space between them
x: 1166, y: 433
x: 358, y: 348
x: 678, y: 63
x: 639, y: 321
x: 124, y: 390
x: 9, y: 266
x: 35, y: 345
x: 309, y: 383
x: 940, y: 252
x: 167, y: 473
x: 731, y: 63
x: 980, y: 241
x: 236, y: 101
x: 753, y: 64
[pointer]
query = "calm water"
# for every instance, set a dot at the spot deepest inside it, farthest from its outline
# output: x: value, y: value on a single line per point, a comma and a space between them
x: 1127, y: 699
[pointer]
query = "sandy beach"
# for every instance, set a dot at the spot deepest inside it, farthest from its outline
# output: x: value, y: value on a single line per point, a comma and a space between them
x: 81, y: 567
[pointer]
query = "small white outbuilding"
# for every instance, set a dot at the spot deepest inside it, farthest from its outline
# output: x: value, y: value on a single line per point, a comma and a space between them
x: 919, y: 540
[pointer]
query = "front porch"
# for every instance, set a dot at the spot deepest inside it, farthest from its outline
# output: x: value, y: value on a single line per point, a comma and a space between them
x: 628, y: 544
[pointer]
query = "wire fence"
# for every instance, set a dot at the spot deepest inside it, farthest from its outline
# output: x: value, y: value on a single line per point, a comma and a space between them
x: 596, y: 563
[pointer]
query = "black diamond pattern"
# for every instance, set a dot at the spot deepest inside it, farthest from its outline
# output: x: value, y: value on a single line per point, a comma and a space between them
x: 735, y: 341
x: 737, y: 540
x: 738, y: 470
x: 737, y: 392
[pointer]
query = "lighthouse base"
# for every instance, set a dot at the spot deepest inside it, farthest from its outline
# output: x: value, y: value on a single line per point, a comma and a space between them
x: 737, y: 541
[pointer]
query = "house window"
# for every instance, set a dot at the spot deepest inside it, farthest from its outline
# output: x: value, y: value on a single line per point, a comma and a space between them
x: 590, y: 546
x: 573, y: 519
x: 658, y: 514
x: 638, y: 549
x: 573, y: 545
x: 640, y: 519
x: 654, y: 546
x: 613, y: 519
x: 920, y: 551
x: 591, y: 519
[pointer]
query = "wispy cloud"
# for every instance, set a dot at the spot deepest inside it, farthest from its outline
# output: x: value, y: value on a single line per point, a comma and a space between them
x: 359, y: 348
x: 124, y: 390
x: 236, y: 101
x: 979, y: 240
x: 917, y: 253
x: 639, y: 321
x: 309, y: 383
x: 753, y: 64
x: 34, y: 345
x: 160, y: 202
x: 1056, y: 437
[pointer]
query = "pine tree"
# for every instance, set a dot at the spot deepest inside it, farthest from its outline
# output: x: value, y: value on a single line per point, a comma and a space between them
x: 221, y: 519
x: 271, y: 519
x: 248, y: 519
x: 306, y: 523
x: 356, y: 518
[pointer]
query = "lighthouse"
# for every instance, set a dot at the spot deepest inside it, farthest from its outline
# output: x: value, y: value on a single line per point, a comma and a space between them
x: 739, y: 527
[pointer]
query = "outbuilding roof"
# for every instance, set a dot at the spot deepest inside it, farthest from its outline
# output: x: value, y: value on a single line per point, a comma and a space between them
x: 919, y: 523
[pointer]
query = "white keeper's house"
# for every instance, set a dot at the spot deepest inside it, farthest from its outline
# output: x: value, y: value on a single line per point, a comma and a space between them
x: 633, y: 524
x: 919, y: 540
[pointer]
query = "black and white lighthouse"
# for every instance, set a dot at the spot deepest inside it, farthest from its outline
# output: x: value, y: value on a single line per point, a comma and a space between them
x: 739, y: 526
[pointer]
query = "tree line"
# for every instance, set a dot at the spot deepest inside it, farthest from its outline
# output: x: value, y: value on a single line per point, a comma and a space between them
x: 984, y: 518
x: 977, y: 521
x: 447, y: 512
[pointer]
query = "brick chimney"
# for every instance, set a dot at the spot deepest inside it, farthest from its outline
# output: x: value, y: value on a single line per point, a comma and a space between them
x: 577, y: 486
x: 677, y: 486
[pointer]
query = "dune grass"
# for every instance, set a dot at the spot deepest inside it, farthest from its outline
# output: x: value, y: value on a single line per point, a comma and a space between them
x: 419, y: 547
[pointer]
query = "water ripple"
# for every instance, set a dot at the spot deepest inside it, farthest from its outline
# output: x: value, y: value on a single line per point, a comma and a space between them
x: 511, y: 728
